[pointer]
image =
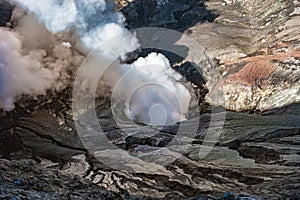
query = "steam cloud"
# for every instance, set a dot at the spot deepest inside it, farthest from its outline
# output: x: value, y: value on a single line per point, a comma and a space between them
x: 159, y: 98
x: 53, y: 37
x: 31, y: 64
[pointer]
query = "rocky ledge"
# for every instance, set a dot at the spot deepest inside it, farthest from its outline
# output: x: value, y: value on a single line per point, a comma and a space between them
x: 252, y: 53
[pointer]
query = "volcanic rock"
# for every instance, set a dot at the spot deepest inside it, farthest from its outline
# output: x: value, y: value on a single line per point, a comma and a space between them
x: 252, y: 57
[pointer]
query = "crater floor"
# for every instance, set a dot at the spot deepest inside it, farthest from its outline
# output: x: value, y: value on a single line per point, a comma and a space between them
x: 254, y: 59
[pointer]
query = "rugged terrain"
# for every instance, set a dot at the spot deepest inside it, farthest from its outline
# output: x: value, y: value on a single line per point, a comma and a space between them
x: 252, y: 55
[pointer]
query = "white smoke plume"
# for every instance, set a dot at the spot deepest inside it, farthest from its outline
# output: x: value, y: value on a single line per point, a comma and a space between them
x: 159, y: 98
x: 94, y: 22
x: 40, y: 51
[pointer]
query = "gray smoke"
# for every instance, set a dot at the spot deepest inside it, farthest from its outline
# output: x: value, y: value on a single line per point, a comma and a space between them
x: 53, y: 36
x: 32, y: 60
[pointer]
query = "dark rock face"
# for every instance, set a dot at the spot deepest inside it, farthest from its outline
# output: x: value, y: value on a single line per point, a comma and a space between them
x: 5, y: 13
x: 256, y: 156
x: 167, y: 14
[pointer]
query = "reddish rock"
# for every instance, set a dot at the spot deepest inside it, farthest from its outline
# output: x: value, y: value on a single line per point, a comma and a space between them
x: 251, y: 81
x: 256, y: 68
